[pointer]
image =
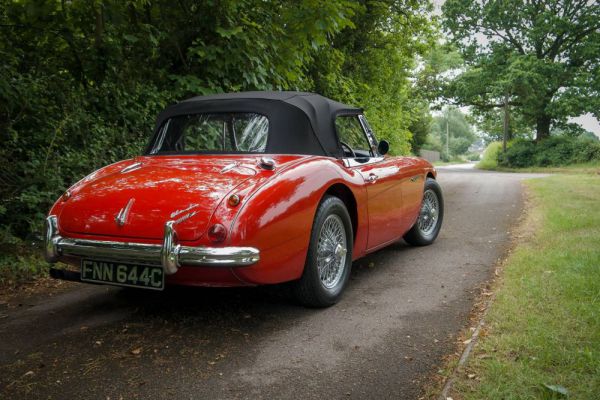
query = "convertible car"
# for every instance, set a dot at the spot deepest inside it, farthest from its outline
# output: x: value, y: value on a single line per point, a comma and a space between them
x: 245, y: 189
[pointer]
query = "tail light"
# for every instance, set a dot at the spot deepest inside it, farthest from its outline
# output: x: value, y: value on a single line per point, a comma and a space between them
x: 217, y: 233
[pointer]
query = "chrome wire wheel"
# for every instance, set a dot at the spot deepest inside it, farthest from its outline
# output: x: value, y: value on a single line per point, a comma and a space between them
x: 428, y: 217
x: 331, y: 251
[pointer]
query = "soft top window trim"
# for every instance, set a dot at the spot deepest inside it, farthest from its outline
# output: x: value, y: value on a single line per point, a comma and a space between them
x: 160, y: 134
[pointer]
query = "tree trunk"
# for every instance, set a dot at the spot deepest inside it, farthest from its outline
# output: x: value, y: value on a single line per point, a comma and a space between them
x: 543, y: 127
x: 506, y: 134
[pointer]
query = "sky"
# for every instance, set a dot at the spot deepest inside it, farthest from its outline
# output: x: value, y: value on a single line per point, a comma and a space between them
x: 586, y: 121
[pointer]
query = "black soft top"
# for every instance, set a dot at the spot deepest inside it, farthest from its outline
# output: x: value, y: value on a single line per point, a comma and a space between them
x: 299, y: 122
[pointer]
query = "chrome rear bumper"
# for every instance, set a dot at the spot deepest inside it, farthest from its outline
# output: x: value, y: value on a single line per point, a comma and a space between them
x: 169, y: 254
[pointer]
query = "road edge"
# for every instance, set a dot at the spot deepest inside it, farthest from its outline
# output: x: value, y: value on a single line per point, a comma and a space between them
x: 522, y: 229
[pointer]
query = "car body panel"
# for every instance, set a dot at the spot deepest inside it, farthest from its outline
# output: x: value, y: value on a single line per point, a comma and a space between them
x: 275, y: 213
x: 277, y: 199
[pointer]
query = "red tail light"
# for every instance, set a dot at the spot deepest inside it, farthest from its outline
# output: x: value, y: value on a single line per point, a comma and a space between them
x: 217, y: 233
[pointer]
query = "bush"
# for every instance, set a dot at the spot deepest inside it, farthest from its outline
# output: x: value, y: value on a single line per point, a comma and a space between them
x: 72, y: 101
x: 489, y: 160
x: 552, y: 152
x: 518, y: 155
x: 473, y: 157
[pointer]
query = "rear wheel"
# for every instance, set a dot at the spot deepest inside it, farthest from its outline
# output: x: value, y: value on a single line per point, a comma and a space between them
x: 429, y: 222
x: 329, y: 257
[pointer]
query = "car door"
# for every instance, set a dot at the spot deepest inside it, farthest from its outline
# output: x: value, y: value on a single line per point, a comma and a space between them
x: 384, y: 191
x: 412, y: 181
x: 410, y: 176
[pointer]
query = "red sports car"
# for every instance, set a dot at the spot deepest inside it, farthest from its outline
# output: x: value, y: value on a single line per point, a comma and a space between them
x: 246, y: 189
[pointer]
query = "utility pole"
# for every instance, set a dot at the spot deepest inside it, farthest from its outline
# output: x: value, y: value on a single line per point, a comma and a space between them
x: 447, y: 137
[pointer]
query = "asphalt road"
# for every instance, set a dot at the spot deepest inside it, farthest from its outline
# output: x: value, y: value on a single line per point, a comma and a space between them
x: 400, y: 315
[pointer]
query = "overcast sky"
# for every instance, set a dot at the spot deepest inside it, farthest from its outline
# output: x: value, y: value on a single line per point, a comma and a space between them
x: 587, y: 121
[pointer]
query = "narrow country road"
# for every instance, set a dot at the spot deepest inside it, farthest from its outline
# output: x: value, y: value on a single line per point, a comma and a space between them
x: 398, y: 318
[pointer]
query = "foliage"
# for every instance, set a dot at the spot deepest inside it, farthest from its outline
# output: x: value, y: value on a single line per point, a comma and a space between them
x: 438, y: 67
x: 489, y: 160
x: 81, y: 83
x: 420, y: 127
x: 539, y: 57
x: 543, y: 328
x: 473, y: 156
x: 371, y: 63
x: 452, y: 124
x: 554, y: 151
x: 490, y: 123
x: 16, y: 269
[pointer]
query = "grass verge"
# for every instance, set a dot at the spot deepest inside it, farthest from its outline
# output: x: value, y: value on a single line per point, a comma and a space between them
x: 454, y: 160
x: 542, y: 338
x: 584, y: 168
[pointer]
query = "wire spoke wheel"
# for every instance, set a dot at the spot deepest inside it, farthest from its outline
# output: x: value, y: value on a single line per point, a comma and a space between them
x: 331, y: 251
x: 428, y: 216
x: 329, y: 257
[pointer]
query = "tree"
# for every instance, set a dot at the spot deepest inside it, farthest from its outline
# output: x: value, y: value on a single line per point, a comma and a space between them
x: 453, y: 131
x: 438, y: 67
x: 81, y: 82
x: 431, y: 77
x: 371, y: 63
x: 420, y: 126
x: 490, y: 122
x: 538, y: 57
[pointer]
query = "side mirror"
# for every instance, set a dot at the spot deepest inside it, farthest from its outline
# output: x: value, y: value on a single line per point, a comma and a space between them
x: 383, y: 147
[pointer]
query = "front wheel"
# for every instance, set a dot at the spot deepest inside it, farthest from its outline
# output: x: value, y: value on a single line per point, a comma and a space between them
x: 429, y: 222
x: 329, y: 257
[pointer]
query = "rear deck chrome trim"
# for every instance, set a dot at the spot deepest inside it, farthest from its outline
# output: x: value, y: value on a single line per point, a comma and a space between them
x: 169, y: 254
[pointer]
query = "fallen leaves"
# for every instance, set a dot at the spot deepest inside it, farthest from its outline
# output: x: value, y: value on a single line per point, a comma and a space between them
x: 137, y: 351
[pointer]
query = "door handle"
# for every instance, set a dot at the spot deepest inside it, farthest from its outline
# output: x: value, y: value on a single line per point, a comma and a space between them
x: 372, y: 178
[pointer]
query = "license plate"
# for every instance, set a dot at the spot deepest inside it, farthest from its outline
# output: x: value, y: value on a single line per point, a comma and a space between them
x: 123, y: 274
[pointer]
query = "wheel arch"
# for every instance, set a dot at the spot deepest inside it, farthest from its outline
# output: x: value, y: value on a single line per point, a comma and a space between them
x: 344, y: 193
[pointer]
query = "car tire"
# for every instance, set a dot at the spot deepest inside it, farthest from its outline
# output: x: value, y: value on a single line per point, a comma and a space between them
x: 329, y: 257
x: 429, y: 222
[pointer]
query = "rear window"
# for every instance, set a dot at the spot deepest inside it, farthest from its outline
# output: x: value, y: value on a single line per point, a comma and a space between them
x: 218, y: 133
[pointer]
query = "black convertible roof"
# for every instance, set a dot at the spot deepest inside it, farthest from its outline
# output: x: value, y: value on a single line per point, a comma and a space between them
x: 299, y: 122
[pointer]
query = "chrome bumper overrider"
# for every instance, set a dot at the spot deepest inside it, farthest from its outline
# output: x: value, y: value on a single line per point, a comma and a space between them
x: 169, y: 254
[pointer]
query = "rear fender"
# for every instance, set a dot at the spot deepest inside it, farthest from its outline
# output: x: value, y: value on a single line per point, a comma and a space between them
x: 277, y: 218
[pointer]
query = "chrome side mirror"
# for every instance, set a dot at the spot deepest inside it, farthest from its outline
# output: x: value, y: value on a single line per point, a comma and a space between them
x: 383, y: 147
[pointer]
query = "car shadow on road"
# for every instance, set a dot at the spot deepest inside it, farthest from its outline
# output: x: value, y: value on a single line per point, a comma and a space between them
x: 179, y: 301
x: 194, y: 308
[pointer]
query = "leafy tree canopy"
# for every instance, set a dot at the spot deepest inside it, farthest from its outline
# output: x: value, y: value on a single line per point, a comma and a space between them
x: 541, y: 57
x: 81, y: 82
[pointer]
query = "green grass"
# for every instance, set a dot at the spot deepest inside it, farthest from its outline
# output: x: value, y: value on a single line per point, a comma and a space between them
x: 583, y: 168
x: 440, y: 163
x: 544, y: 325
x: 452, y: 161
